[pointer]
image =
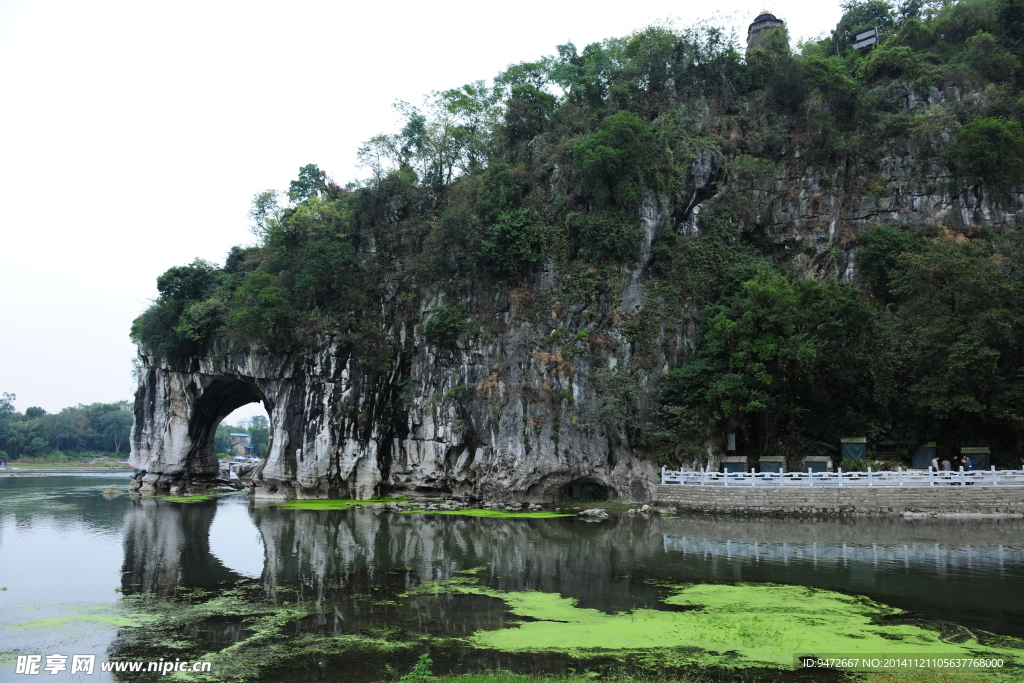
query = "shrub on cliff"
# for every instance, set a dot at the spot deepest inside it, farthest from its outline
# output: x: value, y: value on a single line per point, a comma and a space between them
x: 606, y: 236
x: 989, y: 151
x: 162, y: 329
x: 613, y: 162
x: 261, y: 310
x: 445, y: 325
x: 515, y: 243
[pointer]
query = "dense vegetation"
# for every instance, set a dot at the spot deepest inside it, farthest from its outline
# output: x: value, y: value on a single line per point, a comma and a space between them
x: 73, y: 433
x: 84, y: 431
x: 551, y: 164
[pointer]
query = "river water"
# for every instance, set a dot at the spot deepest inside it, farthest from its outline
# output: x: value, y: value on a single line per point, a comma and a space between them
x: 77, y: 568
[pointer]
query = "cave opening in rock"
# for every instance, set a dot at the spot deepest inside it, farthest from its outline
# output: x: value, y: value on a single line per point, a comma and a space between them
x: 586, y: 490
x: 218, y: 400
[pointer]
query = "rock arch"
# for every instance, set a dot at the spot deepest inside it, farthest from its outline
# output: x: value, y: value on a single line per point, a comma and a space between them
x: 221, y: 398
x: 176, y: 419
x: 341, y: 428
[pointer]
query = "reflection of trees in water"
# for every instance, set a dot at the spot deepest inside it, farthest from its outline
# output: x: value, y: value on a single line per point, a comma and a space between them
x: 357, y: 559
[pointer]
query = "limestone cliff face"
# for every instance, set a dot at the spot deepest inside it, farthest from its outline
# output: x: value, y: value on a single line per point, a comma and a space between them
x: 528, y: 404
x: 496, y: 417
x: 815, y: 214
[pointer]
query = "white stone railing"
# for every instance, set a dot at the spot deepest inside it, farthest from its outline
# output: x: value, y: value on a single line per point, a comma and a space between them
x: 899, y: 479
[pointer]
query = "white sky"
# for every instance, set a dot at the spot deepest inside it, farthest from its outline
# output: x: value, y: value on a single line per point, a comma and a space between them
x: 133, y: 136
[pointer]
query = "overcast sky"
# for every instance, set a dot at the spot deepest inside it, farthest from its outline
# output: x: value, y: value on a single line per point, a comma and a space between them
x: 135, y: 134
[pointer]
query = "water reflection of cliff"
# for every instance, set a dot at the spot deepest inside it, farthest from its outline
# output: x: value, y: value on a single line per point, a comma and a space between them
x: 167, y: 548
x: 929, y: 565
x: 339, y: 558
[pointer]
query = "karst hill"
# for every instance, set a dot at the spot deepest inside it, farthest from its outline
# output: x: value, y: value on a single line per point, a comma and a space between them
x: 611, y: 258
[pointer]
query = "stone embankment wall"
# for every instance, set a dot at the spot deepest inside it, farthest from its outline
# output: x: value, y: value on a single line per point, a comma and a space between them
x: 942, y: 500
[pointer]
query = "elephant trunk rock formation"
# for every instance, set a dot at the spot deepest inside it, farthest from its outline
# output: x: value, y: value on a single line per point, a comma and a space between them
x: 339, y: 431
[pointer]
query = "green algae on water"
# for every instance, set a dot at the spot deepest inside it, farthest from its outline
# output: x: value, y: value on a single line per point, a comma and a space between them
x: 501, y: 514
x: 270, y: 636
x: 190, y: 497
x: 334, y: 503
x: 735, y: 626
x: 320, y: 504
x: 87, y: 614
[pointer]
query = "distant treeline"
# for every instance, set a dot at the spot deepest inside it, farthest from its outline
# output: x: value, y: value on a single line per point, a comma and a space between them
x: 93, y: 428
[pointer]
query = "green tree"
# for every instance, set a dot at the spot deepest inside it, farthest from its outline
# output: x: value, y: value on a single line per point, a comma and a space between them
x: 264, y: 212
x: 311, y: 181
x: 515, y: 243
x: 327, y: 275
x: 193, y: 282
x: 222, y: 439
x: 1011, y: 17
x: 963, y: 322
x: 160, y: 329
x: 7, y: 406
x: 989, y: 150
x: 474, y: 110
x: 261, y: 309
x: 116, y: 427
x: 790, y: 361
x: 259, y: 435
x: 585, y: 77
x: 528, y: 110
x: 68, y: 428
x: 958, y: 21
x: 989, y: 58
x: 880, y: 251
x: 613, y: 162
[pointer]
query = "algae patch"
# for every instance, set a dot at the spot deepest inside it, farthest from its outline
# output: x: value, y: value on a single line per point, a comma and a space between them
x: 740, y: 625
x: 501, y: 514
x: 334, y: 503
x: 191, y: 497
x: 91, y: 613
x: 320, y: 504
x: 244, y: 635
